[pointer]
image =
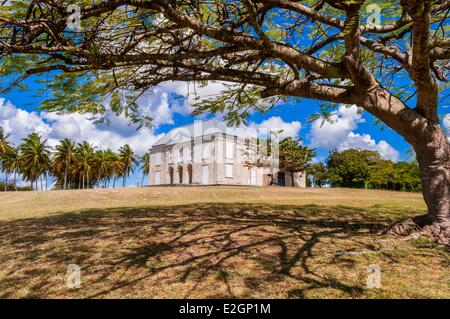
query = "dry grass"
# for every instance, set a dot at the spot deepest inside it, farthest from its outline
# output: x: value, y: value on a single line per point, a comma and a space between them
x: 215, y: 242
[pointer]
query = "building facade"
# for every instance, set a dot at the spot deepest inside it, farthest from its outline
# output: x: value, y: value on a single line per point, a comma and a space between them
x: 208, y: 153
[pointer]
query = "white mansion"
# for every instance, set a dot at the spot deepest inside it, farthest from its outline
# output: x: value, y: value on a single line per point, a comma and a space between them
x: 209, y: 153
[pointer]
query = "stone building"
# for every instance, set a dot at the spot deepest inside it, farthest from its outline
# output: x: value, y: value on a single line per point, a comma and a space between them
x: 209, y: 153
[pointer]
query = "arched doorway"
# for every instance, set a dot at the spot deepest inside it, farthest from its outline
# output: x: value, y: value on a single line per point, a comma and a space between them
x: 180, y: 174
x: 171, y: 175
x: 189, y: 170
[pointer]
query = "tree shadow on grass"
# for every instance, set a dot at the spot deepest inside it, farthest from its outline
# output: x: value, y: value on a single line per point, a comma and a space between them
x: 199, y: 250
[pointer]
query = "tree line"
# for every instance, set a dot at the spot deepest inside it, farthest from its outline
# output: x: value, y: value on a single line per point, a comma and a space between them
x: 365, y: 169
x: 72, y: 165
x: 355, y: 168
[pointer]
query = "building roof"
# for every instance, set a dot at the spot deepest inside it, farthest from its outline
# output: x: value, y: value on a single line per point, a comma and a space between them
x: 185, y: 133
x: 197, y: 129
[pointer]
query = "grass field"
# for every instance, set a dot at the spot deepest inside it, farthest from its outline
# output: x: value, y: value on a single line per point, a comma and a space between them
x: 215, y: 242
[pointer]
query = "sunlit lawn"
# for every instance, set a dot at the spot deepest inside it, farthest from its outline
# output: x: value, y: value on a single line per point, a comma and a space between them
x: 215, y: 242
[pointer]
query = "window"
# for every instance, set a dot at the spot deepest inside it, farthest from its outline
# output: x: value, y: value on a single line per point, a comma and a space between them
x: 229, y: 170
x: 180, y: 154
x: 157, y: 178
x: 158, y: 159
x: 170, y: 156
x: 229, y: 150
x: 189, y: 154
x: 205, y: 151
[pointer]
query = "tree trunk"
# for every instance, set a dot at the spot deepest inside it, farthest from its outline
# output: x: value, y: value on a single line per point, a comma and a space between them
x: 6, y: 182
x: 15, y: 180
x: 292, y: 179
x: 433, y: 155
x: 142, y: 182
x: 65, y: 176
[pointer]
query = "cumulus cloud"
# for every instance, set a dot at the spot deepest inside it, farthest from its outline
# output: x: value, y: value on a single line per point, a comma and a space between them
x: 365, y: 141
x: 170, y: 98
x: 276, y: 123
x: 79, y: 127
x: 20, y: 123
x: 339, y: 134
x: 446, y: 121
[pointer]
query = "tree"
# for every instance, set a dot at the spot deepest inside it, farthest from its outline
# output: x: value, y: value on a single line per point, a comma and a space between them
x: 35, y: 158
x: 117, y: 167
x: 128, y: 160
x: 409, y: 174
x: 64, y: 159
x: 4, y: 147
x: 294, y: 157
x: 105, y: 164
x: 12, y: 163
x: 4, y: 143
x: 352, y: 167
x: 401, y: 176
x: 383, y: 175
x: 319, y: 173
x: 145, y: 166
x: 84, y: 166
x: 266, y: 50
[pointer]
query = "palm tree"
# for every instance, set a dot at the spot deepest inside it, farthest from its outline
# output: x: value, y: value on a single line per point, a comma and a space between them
x: 85, y: 161
x: 105, y: 165
x: 128, y: 160
x: 35, y: 158
x: 11, y: 163
x: 4, y: 143
x: 145, y: 167
x: 4, y: 147
x: 117, y: 167
x: 64, y: 159
x: 3, y: 169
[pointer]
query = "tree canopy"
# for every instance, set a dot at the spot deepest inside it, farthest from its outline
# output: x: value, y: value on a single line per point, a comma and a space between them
x: 362, y: 168
x: 352, y: 167
x: 263, y: 49
x: 293, y: 156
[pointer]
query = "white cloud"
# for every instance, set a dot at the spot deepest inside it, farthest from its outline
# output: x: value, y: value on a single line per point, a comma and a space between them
x: 156, y: 105
x: 446, y: 121
x: 163, y: 102
x: 276, y: 123
x: 365, y: 141
x: 446, y: 124
x: 330, y: 135
x: 54, y: 127
x: 19, y: 122
x: 339, y: 134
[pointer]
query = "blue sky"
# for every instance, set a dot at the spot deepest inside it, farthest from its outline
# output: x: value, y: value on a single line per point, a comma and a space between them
x: 170, y: 106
